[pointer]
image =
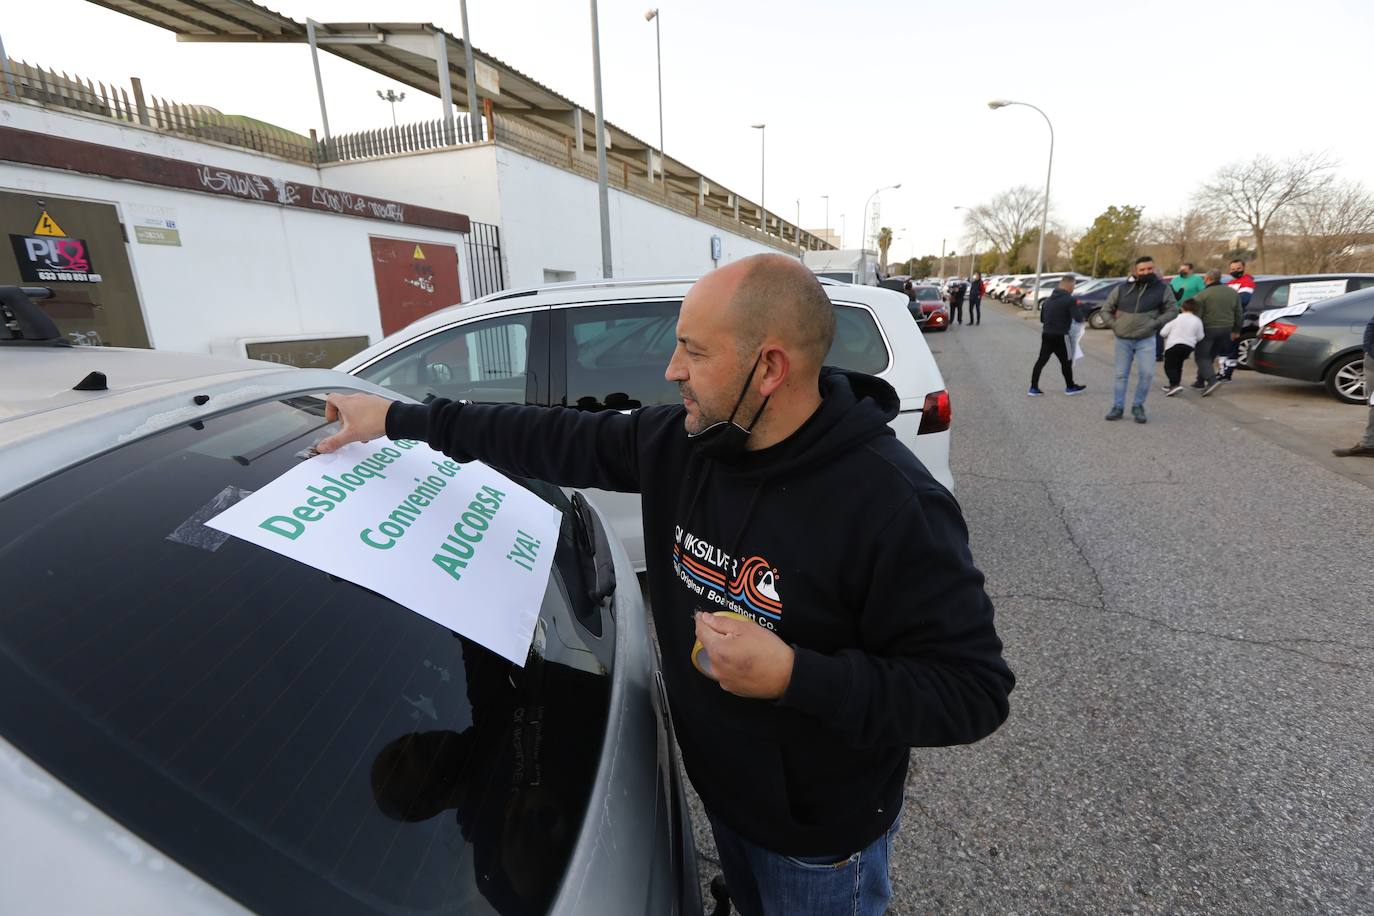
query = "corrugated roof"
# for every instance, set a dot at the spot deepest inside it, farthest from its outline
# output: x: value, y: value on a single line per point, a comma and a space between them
x: 404, y: 52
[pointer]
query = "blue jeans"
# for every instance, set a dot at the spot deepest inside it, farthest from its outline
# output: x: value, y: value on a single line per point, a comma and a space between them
x: 764, y: 883
x: 1143, y: 352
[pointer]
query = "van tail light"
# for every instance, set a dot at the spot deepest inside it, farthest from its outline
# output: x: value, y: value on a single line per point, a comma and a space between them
x: 935, y: 415
x: 1278, y: 330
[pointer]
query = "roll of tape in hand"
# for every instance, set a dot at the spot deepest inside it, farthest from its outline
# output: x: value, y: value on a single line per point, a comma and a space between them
x: 701, y: 659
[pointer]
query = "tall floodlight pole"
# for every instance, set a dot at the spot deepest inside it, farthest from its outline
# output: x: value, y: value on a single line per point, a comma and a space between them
x: 1045, y: 207
x: 826, y: 198
x: 652, y: 16
x: 763, y: 162
x: 603, y: 196
x: 474, y: 131
x: 863, y: 232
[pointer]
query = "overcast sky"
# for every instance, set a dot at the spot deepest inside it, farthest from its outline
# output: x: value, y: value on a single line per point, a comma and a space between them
x: 1147, y: 100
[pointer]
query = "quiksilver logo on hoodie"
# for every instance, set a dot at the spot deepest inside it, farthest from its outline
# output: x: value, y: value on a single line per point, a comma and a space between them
x: 747, y: 586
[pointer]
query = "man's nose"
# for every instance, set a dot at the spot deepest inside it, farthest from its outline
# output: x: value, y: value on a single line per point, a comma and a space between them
x: 674, y: 372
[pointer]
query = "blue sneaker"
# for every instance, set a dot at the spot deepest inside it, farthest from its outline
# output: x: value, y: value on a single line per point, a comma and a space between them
x: 1034, y: 393
x: 1075, y: 389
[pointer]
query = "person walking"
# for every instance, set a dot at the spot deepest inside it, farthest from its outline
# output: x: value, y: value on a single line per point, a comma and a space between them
x: 1186, y: 284
x: 1180, y: 335
x: 1057, y: 313
x: 1135, y: 311
x: 1218, y: 307
x: 851, y: 641
x: 1244, y: 285
x: 1365, y: 448
x: 956, y: 300
x: 975, y: 299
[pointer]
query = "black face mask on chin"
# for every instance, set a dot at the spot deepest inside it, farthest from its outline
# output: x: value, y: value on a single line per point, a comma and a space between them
x: 726, y: 439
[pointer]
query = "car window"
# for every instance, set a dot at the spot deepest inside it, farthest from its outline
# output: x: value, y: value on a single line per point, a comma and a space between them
x: 846, y: 276
x: 299, y: 742
x: 1278, y: 296
x: 485, y: 361
x: 1361, y: 283
x: 858, y: 342
x: 617, y: 354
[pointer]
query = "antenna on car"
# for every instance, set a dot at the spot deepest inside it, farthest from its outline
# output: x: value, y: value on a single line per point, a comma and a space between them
x: 22, y: 323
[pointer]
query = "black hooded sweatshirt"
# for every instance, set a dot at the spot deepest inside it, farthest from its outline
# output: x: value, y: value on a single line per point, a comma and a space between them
x: 837, y: 539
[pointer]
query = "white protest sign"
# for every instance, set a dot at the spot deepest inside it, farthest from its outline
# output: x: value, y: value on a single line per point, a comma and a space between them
x: 458, y: 543
x: 1315, y: 291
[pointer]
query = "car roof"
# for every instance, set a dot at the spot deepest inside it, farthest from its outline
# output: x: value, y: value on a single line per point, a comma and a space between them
x: 35, y: 379
x: 46, y: 427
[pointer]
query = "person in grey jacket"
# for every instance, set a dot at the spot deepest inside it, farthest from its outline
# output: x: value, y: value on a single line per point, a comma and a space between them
x: 1366, y: 447
x: 1136, y: 311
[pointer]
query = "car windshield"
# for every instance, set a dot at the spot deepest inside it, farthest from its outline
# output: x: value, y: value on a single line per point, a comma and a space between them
x: 302, y: 743
x: 926, y: 294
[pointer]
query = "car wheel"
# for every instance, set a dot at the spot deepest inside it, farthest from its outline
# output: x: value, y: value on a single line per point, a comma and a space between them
x: 1345, y: 380
x: 1244, y: 350
x: 1096, y: 321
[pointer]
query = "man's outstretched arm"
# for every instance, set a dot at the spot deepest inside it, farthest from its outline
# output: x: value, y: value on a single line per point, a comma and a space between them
x: 570, y: 448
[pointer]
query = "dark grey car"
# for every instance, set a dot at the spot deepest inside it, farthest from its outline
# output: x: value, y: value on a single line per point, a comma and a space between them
x: 1324, y: 344
x: 1274, y: 291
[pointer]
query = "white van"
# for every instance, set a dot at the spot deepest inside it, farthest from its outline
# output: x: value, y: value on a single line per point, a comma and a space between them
x: 846, y: 265
x: 604, y: 345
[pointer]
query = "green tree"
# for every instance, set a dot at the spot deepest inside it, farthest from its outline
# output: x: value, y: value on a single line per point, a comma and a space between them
x: 884, y: 243
x: 1107, y: 248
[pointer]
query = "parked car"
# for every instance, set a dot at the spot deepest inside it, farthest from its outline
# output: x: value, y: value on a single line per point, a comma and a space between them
x: 195, y: 724
x: 604, y: 345
x: 1095, y: 298
x: 928, y: 308
x: 1323, y: 344
x: 1275, y: 292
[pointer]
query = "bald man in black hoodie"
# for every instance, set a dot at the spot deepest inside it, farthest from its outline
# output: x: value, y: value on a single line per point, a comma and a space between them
x: 776, y: 491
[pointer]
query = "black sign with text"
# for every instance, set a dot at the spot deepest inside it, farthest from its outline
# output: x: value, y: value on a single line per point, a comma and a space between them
x: 53, y: 259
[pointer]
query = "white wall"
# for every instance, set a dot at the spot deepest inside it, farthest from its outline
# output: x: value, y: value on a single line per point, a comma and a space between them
x: 244, y: 269
x: 549, y: 220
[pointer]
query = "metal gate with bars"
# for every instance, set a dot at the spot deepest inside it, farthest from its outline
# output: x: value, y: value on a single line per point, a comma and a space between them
x: 484, y: 256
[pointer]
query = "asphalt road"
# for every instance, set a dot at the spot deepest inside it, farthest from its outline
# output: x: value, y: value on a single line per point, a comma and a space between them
x: 1188, y: 606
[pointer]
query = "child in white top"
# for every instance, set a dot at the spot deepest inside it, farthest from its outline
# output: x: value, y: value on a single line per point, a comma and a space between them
x: 1180, y: 337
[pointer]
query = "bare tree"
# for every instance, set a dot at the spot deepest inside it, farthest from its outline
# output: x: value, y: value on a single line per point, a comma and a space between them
x: 1254, y: 193
x: 1332, y: 225
x: 1007, y: 219
x: 1192, y: 234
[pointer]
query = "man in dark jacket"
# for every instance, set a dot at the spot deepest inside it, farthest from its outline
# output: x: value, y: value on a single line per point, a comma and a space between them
x: 1219, y: 307
x: 776, y: 491
x: 1057, y: 312
x: 975, y: 299
x: 1136, y: 311
x: 1366, y: 447
x: 957, y: 288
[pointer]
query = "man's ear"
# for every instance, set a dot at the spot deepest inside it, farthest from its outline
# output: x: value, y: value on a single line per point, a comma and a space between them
x: 774, y: 366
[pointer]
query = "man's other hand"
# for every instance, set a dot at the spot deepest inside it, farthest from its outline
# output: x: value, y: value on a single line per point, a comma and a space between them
x: 363, y: 418
x: 746, y: 659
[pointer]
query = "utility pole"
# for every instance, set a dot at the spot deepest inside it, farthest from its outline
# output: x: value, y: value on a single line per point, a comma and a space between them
x: 603, y: 196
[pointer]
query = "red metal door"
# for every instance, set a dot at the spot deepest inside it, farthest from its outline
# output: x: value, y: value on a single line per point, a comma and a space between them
x: 413, y: 279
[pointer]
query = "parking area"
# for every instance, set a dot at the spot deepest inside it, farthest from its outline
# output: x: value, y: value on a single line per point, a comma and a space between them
x: 1299, y: 417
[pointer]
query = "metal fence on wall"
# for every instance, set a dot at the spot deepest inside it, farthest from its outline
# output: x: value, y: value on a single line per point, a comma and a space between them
x: 484, y: 258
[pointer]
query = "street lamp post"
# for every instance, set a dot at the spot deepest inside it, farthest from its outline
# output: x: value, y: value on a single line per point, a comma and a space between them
x: 763, y: 161
x: 652, y: 16
x: 603, y: 196
x: 863, y: 230
x: 1045, y: 207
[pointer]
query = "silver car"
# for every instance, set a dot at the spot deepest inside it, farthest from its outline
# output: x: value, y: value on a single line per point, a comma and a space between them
x: 193, y: 724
